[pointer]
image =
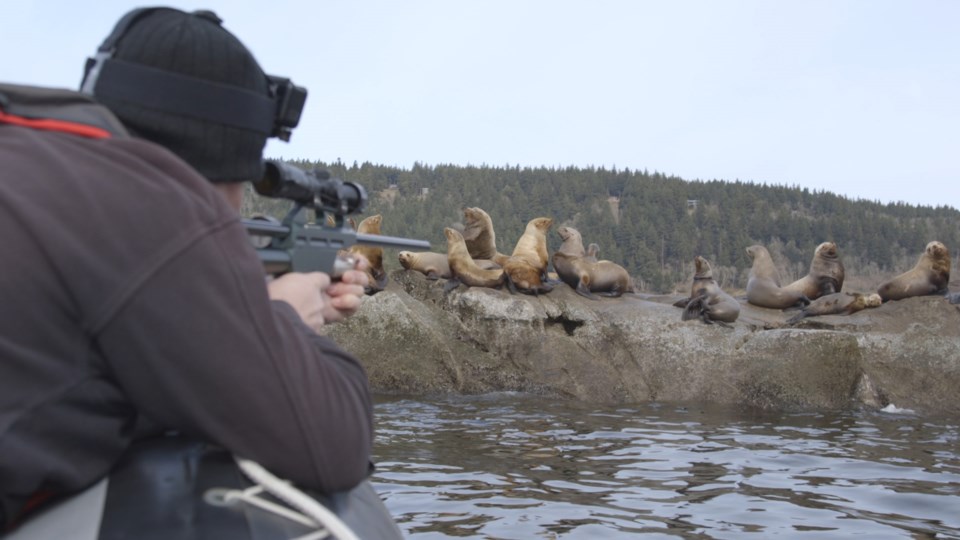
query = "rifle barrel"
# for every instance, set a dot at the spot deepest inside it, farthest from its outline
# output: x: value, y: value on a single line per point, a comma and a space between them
x: 391, y: 241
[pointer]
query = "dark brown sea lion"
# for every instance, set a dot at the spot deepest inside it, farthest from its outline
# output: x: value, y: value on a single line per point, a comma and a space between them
x: 602, y: 277
x: 464, y: 269
x: 763, y: 285
x: 930, y: 275
x: 841, y: 303
x: 479, y: 235
x: 433, y: 265
x: 825, y: 275
x: 708, y: 302
x: 526, y: 268
x: 376, y: 274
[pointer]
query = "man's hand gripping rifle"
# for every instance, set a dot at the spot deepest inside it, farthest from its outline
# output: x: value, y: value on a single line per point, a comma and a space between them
x: 296, y: 245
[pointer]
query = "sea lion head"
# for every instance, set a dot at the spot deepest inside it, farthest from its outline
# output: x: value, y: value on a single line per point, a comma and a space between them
x: 703, y: 268
x: 541, y: 224
x: 827, y: 250
x: 593, y: 250
x: 370, y: 225
x: 758, y: 252
x: 938, y: 257
x: 470, y: 213
x: 406, y: 259
x: 452, y: 234
x: 937, y: 251
x: 872, y: 300
x: 567, y: 232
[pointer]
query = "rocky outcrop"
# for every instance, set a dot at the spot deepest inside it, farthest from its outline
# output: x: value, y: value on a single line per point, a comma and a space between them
x: 413, y: 339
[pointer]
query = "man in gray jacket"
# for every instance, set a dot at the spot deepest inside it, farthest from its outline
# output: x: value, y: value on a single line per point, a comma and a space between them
x: 131, y: 301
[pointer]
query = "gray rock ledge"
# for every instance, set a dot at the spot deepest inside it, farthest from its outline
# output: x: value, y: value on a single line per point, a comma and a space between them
x: 414, y: 340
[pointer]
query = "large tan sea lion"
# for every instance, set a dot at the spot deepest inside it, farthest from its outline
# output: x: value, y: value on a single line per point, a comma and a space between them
x: 763, y: 285
x: 376, y: 274
x: 825, y: 275
x: 479, y: 235
x: 841, y: 303
x: 708, y: 302
x: 526, y: 268
x: 930, y: 275
x: 464, y: 269
x: 431, y: 264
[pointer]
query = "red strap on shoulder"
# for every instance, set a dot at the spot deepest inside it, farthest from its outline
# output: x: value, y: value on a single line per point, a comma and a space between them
x: 34, y: 502
x: 49, y: 124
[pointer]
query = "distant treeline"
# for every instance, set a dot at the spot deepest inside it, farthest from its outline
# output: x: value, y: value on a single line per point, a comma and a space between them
x: 652, y: 224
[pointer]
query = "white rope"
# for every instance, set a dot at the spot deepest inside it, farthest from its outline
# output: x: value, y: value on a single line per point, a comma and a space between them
x: 297, y: 499
x: 311, y: 513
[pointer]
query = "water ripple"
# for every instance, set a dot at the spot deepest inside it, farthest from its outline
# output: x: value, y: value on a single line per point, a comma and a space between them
x: 513, y: 466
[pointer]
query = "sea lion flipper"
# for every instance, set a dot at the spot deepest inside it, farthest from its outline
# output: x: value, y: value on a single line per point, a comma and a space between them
x: 694, y: 309
x: 583, y: 290
x: 381, y: 278
x: 682, y: 303
x: 796, y: 318
x: 511, y: 286
x: 538, y: 289
x: 450, y: 285
x: 828, y: 286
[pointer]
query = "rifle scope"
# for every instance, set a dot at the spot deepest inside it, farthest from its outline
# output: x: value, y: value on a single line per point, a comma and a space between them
x: 314, y: 189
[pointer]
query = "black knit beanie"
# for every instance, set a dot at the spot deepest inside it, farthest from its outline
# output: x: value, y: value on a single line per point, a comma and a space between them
x: 195, y: 45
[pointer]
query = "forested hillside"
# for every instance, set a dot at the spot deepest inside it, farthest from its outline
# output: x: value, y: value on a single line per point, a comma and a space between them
x: 651, y: 223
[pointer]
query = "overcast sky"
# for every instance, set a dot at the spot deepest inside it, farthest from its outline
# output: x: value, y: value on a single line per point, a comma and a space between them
x: 857, y: 97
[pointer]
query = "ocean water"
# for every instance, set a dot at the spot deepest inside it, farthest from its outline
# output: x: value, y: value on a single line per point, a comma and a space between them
x: 515, y: 466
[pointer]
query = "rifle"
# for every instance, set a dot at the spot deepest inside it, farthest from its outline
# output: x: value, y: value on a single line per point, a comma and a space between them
x: 295, y: 244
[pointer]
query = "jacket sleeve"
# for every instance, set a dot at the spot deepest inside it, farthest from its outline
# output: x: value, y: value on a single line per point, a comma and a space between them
x: 199, y: 347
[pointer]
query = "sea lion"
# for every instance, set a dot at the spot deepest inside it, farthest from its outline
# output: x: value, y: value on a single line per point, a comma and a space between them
x: 331, y: 221
x: 841, y: 303
x: 532, y: 245
x: 479, y: 235
x: 825, y: 275
x: 464, y: 269
x: 431, y: 264
x: 572, y: 242
x: 603, y: 277
x: 526, y: 268
x: 593, y: 251
x: 376, y: 274
x: 525, y: 277
x: 708, y: 301
x: 929, y: 276
x: 763, y: 285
